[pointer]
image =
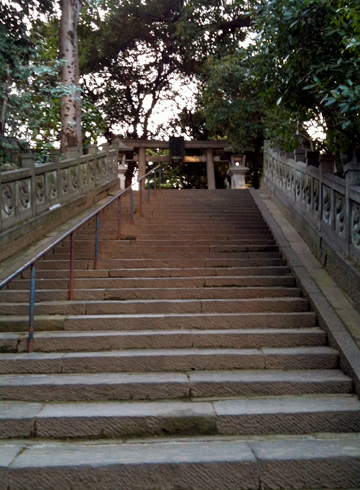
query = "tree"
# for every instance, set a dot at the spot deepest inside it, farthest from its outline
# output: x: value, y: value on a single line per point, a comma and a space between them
x: 304, y: 63
x: 234, y: 108
x: 70, y: 103
x: 134, y: 52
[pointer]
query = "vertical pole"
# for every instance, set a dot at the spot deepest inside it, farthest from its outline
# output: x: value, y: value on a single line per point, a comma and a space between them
x: 149, y: 188
x: 159, y: 178
x: 31, y: 310
x: 97, y: 242
x: 119, y: 219
x: 72, y: 247
x: 140, y: 189
x: 155, y: 183
x: 131, y: 207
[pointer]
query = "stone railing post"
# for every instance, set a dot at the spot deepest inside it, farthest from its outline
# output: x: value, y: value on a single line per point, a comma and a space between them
x: 352, y: 178
x: 299, y: 155
x: 326, y: 166
x: 75, y: 155
x: 55, y: 157
x: 28, y: 161
x: 312, y: 158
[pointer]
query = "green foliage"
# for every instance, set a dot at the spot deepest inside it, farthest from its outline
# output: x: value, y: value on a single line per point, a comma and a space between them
x: 136, y: 51
x: 234, y: 109
x: 30, y: 87
x: 306, y: 62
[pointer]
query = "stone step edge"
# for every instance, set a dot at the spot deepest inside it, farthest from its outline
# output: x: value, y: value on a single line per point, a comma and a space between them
x: 160, y: 315
x: 253, y: 416
x: 214, y: 464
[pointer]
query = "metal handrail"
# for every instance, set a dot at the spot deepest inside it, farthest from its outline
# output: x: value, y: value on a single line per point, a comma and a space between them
x: 70, y: 233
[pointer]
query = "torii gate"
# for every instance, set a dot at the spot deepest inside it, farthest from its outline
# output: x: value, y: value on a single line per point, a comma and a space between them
x: 139, y: 147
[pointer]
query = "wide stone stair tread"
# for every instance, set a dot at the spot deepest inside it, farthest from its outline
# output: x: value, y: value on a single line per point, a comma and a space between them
x: 162, y: 339
x: 51, y: 295
x: 252, y: 416
x: 197, y: 384
x: 154, y: 360
x: 139, y: 305
x: 164, y: 272
x: 204, y: 464
x: 161, y: 282
x: 287, y: 317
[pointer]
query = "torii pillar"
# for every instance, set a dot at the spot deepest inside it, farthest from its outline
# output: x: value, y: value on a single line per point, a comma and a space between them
x: 210, y: 169
x: 142, y: 165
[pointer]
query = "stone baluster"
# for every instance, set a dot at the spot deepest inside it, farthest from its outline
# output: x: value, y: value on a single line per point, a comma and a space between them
x: 352, y: 178
x: 28, y: 161
x: 326, y: 166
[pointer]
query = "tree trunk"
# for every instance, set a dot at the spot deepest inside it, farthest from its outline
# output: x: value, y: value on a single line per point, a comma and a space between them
x: 71, y: 104
x: 5, y: 103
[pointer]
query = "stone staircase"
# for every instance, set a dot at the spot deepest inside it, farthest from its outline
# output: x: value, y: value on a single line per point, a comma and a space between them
x: 189, y: 359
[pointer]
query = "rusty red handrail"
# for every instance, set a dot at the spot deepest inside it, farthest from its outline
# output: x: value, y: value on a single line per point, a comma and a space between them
x: 71, y: 233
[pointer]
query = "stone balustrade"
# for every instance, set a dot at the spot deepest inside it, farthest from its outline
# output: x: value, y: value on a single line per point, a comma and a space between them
x: 329, y: 204
x: 33, y: 189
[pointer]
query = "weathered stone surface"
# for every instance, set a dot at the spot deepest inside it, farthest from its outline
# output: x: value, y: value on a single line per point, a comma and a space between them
x: 295, y: 463
x: 204, y: 466
x: 125, y: 419
x: 288, y: 415
x: 18, y: 419
x: 8, y: 453
x: 107, y: 386
x: 263, y: 383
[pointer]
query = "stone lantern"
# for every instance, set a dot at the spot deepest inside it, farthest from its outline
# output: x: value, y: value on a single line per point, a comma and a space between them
x: 237, y: 170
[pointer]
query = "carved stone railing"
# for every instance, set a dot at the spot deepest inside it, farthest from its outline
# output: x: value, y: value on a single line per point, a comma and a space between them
x: 330, y: 204
x: 34, y: 189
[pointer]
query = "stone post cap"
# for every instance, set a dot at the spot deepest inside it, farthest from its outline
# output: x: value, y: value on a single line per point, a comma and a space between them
x: 356, y: 156
x: 312, y: 158
x: 74, y: 152
x: 299, y: 154
x: 352, y: 167
x: 55, y: 155
x: 28, y: 160
x: 289, y: 155
x: 92, y: 149
x: 105, y: 147
x: 327, y: 164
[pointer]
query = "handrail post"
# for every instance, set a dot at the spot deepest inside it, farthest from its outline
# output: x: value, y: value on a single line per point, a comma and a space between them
x: 31, y: 309
x: 154, y: 183
x: 119, y: 219
x: 96, y: 261
x: 72, y: 258
x: 140, y: 190
x: 149, y: 188
x: 131, y: 207
x: 159, y: 178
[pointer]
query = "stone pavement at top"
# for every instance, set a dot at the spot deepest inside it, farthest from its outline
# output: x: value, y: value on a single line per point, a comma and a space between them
x: 188, y: 360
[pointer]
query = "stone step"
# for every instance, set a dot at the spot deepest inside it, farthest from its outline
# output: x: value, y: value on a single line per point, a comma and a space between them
x: 142, y: 305
x: 146, y: 294
x: 175, y: 255
x: 193, y: 359
x: 253, y: 416
x: 169, y: 321
x: 174, y: 339
x: 164, y: 272
x: 87, y: 242
x: 212, y: 463
x: 154, y: 282
x: 112, y: 235
x: 160, y: 263
x: 155, y: 386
